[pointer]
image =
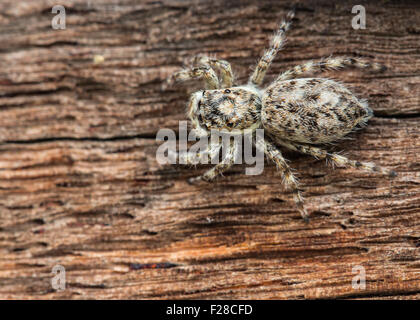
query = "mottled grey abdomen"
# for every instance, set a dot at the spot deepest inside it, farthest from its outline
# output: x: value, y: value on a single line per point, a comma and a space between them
x: 311, y: 110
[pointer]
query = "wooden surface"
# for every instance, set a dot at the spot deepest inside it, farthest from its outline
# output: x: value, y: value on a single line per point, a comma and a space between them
x: 80, y: 185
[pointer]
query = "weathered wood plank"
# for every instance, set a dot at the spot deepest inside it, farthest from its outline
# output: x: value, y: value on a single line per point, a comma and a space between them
x: 80, y: 185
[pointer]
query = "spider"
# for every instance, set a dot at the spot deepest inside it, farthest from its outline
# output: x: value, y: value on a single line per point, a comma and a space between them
x: 296, y: 113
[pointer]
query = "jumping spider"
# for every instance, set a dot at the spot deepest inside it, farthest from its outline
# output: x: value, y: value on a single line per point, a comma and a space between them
x: 296, y: 113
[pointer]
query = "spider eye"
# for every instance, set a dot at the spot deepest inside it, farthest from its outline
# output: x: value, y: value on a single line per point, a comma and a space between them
x: 227, y: 91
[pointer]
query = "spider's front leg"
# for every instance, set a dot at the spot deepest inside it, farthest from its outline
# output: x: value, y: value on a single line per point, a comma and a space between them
x: 226, y: 163
x: 288, y: 178
x: 335, y: 158
x: 193, y: 158
x: 204, y: 72
x: 331, y: 63
x: 222, y: 66
x: 275, y: 45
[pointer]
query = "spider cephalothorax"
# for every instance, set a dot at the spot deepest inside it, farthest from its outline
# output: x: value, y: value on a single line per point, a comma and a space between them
x: 231, y: 109
x: 296, y: 113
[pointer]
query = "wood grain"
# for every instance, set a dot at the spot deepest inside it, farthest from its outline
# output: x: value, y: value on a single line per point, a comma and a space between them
x: 80, y: 185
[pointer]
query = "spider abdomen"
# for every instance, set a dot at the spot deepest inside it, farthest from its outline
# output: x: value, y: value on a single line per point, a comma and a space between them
x: 312, y: 110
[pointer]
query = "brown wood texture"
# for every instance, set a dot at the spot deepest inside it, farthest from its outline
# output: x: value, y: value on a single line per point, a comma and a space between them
x: 80, y: 185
